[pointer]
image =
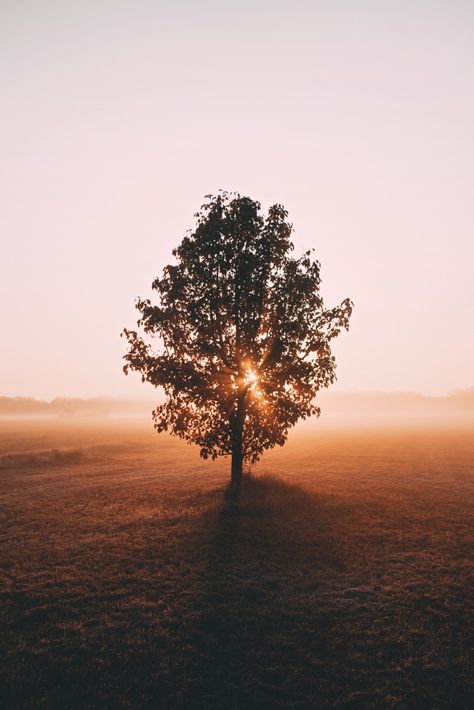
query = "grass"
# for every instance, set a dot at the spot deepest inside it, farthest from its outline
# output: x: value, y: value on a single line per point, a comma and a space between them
x: 341, y: 577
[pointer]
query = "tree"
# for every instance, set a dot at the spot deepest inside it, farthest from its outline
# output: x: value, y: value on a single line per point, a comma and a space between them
x: 245, y: 337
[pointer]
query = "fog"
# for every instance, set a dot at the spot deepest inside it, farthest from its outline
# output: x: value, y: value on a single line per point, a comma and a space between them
x: 354, y: 409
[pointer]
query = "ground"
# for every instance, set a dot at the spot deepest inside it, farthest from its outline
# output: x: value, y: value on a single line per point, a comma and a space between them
x: 341, y: 578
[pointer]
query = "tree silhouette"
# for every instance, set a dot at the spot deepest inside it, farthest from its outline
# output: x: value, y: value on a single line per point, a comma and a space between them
x: 244, y: 334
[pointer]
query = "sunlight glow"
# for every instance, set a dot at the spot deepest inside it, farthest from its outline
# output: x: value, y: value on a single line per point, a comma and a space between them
x: 251, y: 381
x: 250, y: 378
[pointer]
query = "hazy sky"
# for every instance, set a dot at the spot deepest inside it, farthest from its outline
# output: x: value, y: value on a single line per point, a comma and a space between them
x: 118, y: 117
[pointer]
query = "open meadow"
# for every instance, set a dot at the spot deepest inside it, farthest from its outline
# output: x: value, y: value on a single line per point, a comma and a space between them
x: 342, y: 576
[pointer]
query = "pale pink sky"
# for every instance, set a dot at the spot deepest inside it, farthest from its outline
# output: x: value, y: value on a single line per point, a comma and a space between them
x: 118, y: 116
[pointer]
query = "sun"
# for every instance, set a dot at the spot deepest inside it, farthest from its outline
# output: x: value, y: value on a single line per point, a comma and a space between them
x: 251, y: 382
x: 250, y: 378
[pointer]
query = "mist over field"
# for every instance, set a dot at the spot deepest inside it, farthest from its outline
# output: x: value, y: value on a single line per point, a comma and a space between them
x: 337, y: 408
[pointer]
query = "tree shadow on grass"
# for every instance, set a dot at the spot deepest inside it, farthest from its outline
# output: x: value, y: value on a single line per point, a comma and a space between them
x: 261, y: 631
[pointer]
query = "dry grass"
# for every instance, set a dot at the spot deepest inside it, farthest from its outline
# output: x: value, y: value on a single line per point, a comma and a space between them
x: 341, y: 577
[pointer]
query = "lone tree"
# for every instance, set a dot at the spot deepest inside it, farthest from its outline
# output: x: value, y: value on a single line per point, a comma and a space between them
x: 245, y: 339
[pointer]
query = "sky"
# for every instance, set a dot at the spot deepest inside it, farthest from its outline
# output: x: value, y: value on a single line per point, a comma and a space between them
x: 118, y: 116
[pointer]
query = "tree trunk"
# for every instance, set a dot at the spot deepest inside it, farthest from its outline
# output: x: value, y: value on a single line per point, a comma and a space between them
x: 237, y: 464
x: 237, y: 441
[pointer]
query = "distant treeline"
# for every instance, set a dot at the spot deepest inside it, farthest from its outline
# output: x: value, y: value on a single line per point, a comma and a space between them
x: 74, y: 406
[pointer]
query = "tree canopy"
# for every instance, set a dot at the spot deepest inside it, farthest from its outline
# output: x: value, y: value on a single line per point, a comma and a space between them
x: 243, y: 337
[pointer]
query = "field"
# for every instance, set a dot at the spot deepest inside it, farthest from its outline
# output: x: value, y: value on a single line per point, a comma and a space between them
x: 342, y: 577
